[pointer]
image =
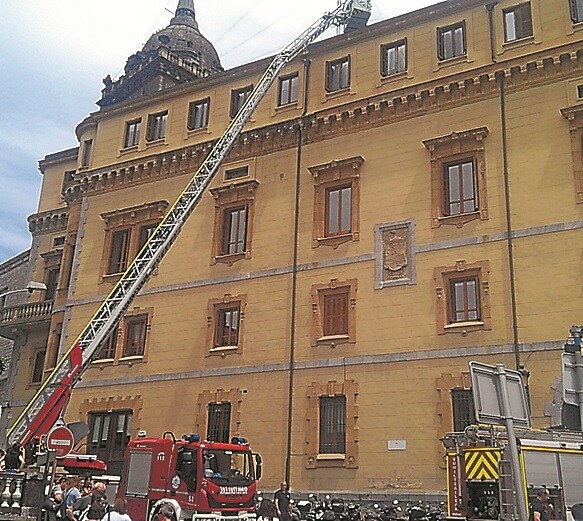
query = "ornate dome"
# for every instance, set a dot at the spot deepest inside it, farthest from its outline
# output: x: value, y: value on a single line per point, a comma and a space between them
x: 183, y: 38
x: 174, y: 55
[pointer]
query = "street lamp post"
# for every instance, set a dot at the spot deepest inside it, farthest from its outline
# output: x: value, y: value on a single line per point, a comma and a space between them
x: 14, y: 356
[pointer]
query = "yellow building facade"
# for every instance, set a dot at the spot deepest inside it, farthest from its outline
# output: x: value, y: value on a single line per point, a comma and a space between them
x: 407, y: 198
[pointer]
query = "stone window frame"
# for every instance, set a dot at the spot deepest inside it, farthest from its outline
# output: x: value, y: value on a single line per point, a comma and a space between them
x: 120, y: 334
x: 281, y: 102
x: 443, y: 150
x: 132, y: 134
x: 157, y: 127
x: 329, y: 87
x: 319, y: 291
x: 384, y: 66
x: 236, y: 104
x: 337, y: 173
x: 214, y: 307
x: 409, y: 250
x: 574, y: 13
x: 34, y: 369
x: 442, y: 31
x: 234, y: 396
x: 133, y: 219
x: 52, y: 263
x: 444, y: 384
x: 312, y: 458
x: 443, y: 276
x: 226, y: 197
x: 191, y: 120
x: 574, y: 116
x: 517, y: 9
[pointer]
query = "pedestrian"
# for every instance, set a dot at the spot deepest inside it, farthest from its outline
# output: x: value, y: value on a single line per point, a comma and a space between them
x: 282, y: 502
x: 90, y: 507
x: 72, y: 492
x: 52, y: 508
x: 267, y: 511
x: 118, y: 512
x: 166, y: 513
x: 540, y: 506
x: 14, y: 458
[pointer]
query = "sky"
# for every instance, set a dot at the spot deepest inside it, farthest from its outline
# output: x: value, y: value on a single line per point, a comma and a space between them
x: 55, y: 53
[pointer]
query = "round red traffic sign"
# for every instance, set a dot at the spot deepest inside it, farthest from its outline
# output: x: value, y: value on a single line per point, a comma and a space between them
x: 61, y: 440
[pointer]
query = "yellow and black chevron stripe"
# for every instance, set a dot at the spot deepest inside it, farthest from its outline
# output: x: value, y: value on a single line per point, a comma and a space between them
x: 482, y: 465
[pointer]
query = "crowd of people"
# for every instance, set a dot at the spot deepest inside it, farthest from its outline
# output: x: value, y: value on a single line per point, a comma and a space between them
x: 74, y: 499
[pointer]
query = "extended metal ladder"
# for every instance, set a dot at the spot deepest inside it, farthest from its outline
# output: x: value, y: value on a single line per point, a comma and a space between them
x: 46, y: 406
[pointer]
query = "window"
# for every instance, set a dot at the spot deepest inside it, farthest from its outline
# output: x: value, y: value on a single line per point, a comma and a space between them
x: 3, y: 298
x: 109, y: 434
x: 336, y: 201
x: 226, y: 318
x: 517, y: 22
x: 59, y: 241
x: 338, y: 211
x: 394, y: 58
x: 219, y: 422
x: 238, y: 98
x: 233, y: 227
x: 451, y: 41
x: 462, y: 403
x: 463, y: 298
x: 51, y: 283
x: 458, y: 177
x: 576, y: 7
x: 87, y: 149
x: 236, y: 173
x: 38, y: 366
x: 460, y: 187
x: 338, y: 74
x: 126, y: 232
x: 119, y: 254
x: 574, y: 115
x: 331, y: 433
x: 227, y: 332
x: 288, y: 90
x: 334, y: 313
x: 110, y: 345
x: 135, y: 335
x: 332, y: 425
x: 157, y: 126
x: 198, y: 114
x: 132, y: 133
x: 234, y: 231
x: 56, y: 343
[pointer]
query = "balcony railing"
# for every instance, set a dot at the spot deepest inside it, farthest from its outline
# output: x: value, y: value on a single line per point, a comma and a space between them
x: 26, y: 313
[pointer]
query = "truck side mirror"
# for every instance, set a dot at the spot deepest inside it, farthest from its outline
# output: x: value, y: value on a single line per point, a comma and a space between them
x: 258, y: 466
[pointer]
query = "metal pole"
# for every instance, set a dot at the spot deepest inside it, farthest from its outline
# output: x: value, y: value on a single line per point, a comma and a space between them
x: 576, y: 333
x: 506, y: 414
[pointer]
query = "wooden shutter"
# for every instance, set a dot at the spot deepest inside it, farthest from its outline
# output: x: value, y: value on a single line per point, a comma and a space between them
x: 335, y: 320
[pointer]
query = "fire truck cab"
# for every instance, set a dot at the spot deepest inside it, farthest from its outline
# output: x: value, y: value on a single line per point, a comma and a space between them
x: 197, y: 479
x: 479, y: 477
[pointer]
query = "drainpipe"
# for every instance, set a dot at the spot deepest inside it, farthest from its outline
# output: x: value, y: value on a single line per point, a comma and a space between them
x: 490, y: 9
x: 300, y: 134
x: 509, y: 231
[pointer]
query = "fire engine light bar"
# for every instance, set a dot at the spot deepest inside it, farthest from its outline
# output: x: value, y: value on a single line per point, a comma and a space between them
x: 239, y: 440
x: 191, y: 437
x: 551, y: 444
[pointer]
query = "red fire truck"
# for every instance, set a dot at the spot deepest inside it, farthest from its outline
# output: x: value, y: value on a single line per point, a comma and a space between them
x: 196, y: 479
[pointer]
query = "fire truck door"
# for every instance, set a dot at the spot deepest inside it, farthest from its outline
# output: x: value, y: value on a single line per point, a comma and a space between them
x: 138, y: 483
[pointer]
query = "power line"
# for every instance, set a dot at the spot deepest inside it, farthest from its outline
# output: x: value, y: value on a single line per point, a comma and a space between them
x: 239, y: 20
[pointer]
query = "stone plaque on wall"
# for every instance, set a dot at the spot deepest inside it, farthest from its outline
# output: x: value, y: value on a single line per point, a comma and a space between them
x: 394, y: 254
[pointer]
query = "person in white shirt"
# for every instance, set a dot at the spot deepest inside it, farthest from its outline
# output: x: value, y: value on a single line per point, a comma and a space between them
x: 118, y: 512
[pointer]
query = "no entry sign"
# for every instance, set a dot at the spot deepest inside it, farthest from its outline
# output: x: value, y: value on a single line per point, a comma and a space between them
x: 61, y: 440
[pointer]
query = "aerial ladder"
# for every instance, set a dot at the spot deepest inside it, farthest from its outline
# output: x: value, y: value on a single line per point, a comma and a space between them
x: 47, y: 406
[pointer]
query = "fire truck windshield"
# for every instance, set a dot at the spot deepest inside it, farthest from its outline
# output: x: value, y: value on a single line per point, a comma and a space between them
x: 228, y: 466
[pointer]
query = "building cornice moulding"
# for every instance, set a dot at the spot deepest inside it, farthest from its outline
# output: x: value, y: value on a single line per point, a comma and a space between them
x: 49, y: 221
x: 382, y: 109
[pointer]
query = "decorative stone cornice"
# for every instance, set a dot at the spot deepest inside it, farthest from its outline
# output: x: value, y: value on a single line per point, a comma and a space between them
x: 47, y: 222
x: 383, y: 109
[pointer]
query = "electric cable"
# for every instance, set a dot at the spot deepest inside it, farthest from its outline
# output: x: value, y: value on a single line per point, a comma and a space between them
x: 237, y: 22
